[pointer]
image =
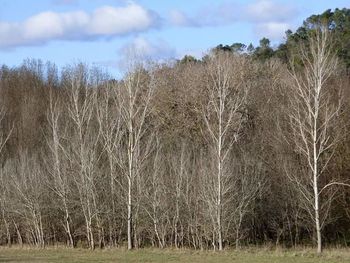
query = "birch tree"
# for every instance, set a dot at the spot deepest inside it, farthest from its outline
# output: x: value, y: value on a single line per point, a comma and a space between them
x: 57, y: 163
x: 157, y: 207
x: 223, y: 117
x: 112, y: 132
x: 82, y: 152
x: 26, y: 182
x: 314, y: 109
x: 134, y: 99
x: 179, y: 166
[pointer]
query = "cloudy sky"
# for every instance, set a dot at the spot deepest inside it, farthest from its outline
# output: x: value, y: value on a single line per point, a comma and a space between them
x: 100, y: 31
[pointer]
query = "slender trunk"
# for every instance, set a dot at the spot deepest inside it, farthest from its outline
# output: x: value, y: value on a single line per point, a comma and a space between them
x: 219, y: 180
x: 315, y: 178
x: 238, y: 230
x: 214, y: 245
x: 130, y: 169
x: 177, y: 215
x: 317, y: 216
x: 136, y: 239
x: 175, y: 236
x: 19, y: 236
x: 101, y: 237
x: 69, y: 232
x: 112, y: 220
x: 157, y: 233
x: 8, y: 233
x: 129, y: 215
x: 42, y: 240
x: 176, y: 226
x: 219, y: 226
x: 89, y: 234
x: 92, y: 241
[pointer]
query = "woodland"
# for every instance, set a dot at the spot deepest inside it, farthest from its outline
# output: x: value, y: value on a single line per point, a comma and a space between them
x: 247, y: 146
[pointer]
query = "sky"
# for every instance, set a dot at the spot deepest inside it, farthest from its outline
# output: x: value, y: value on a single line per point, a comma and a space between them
x: 103, y: 32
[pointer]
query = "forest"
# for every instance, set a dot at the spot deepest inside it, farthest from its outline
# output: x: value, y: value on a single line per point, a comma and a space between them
x: 245, y: 146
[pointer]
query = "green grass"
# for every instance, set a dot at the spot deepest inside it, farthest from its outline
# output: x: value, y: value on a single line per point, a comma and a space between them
x: 155, y: 255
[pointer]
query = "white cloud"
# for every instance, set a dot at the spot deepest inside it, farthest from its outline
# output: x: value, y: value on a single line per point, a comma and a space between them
x: 272, y: 30
x: 268, y: 18
x: 179, y: 18
x: 105, y: 21
x: 155, y: 50
x: 261, y: 11
x: 222, y: 14
x: 267, y: 10
x: 115, y: 21
x: 141, y: 50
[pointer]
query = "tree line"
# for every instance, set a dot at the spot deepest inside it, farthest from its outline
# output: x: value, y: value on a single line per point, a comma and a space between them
x: 337, y: 21
x: 226, y: 151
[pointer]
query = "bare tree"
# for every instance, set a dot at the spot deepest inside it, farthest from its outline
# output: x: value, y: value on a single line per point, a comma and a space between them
x: 26, y: 175
x: 223, y: 116
x: 176, y: 154
x: 314, y: 108
x: 179, y: 167
x: 246, y: 185
x: 134, y: 99
x: 112, y: 132
x: 157, y: 207
x: 57, y: 164
x: 83, y: 153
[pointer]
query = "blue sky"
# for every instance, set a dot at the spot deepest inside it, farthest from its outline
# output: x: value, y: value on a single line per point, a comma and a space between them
x: 99, y: 32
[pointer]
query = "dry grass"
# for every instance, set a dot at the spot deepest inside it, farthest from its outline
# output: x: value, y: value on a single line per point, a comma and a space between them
x: 169, y: 255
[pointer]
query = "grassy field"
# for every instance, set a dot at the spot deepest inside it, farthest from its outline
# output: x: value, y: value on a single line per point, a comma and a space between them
x: 149, y: 255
